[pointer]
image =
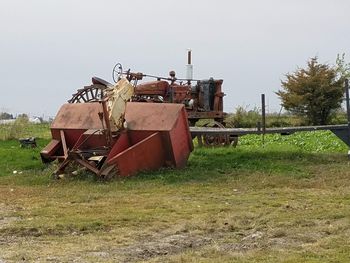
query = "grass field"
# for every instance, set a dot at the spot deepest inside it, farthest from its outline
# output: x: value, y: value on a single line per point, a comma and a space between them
x: 285, y: 201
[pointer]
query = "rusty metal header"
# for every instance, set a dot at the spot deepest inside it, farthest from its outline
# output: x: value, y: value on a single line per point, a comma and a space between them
x: 78, y: 116
x: 158, y: 117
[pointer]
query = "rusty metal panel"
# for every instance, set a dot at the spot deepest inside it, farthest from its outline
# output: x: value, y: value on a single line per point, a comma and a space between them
x: 146, y: 155
x: 153, y: 87
x: 137, y: 136
x: 71, y: 135
x: 47, y: 154
x: 78, y: 116
x: 181, y: 141
x: 151, y: 116
x: 170, y: 120
x: 121, y: 144
x: 90, y: 139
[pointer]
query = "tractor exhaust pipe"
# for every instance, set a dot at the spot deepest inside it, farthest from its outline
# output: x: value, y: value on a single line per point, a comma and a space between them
x: 189, y: 66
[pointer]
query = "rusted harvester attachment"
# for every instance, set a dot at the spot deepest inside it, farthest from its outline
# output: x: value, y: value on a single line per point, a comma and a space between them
x: 111, y: 136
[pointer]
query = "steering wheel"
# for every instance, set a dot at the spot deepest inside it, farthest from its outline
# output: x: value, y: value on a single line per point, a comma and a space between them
x: 117, y: 72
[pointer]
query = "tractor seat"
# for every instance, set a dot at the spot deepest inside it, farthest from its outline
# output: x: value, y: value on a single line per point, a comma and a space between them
x: 97, y: 80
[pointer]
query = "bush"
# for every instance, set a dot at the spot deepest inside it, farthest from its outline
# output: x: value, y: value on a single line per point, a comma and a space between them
x: 14, y: 130
x: 243, y: 118
x: 284, y: 120
x: 315, y: 92
x: 18, y: 127
x: 5, y: 116
x: 340, y: 117
x: 23, y: 128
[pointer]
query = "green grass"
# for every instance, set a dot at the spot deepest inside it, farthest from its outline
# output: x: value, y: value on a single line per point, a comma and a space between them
x: 285, y: 201
x: 15, y: 158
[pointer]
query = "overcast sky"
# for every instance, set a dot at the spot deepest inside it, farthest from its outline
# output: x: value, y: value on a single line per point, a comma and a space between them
x: 50, y: 48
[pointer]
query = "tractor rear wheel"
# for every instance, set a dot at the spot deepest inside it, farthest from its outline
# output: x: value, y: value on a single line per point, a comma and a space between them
x: 94, y: 92
x: 209, y: 140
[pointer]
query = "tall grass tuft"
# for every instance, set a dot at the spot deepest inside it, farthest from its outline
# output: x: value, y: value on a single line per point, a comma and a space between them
x: 243, y: 118
x: 14, y: 130
x: 23, y: 128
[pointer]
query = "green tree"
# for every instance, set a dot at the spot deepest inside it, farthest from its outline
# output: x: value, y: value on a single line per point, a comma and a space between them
x: 343, y: 68
x: 5, y: 116
x: 315, y: 92
x: 23, y: 116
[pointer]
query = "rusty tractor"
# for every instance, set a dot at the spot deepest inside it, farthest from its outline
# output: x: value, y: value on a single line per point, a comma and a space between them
x: 202, y: 99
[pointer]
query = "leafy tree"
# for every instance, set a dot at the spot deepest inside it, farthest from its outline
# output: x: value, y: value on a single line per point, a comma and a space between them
x: 343, y: 68
x: 315, y: 92
x: 23, y: 116
x: 5, y: 116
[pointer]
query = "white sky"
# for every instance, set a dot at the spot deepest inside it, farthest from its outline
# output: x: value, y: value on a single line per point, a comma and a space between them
x: 50, y: 48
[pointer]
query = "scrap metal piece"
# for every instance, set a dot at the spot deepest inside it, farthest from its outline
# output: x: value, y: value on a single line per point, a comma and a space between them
x: 28, y: 142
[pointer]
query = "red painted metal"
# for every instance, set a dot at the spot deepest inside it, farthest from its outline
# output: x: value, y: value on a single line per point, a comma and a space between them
x: 48, y: 154
x: 145, y: 155
x: 157, y: 135
x: 81, y: 116
x: 170, y: 120
x: 70, y: 123
x: 152, y: 116
x: 207, y: 103
x: 153, y: 87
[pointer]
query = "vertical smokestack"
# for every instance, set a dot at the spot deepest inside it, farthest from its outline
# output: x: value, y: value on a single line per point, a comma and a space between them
x: 189, y: 66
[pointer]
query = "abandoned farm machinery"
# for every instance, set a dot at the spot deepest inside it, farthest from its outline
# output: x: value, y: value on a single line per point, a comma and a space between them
x: 130, y: 126
x: 202, y: 99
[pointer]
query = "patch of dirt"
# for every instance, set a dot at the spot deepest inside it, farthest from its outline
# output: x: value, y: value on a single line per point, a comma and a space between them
x: 259, y: 240
x: 163, y: 245
x: 5, y: 218
x: 4, y: 221
x: 160, y: 246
